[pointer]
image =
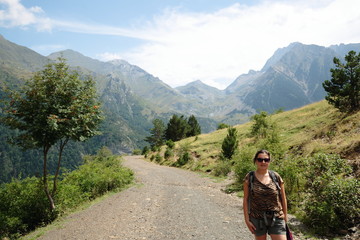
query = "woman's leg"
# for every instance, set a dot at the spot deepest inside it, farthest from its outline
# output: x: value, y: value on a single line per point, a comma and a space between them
x: 278, y: 237
x: 262, y: 237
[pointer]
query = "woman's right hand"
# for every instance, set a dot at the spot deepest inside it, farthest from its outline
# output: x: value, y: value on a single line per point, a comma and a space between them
x: 251, y: 226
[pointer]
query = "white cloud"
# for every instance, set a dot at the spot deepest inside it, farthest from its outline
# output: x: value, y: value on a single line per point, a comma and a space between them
x: 109, y: 56
x: 214, y: 47
x: 16, y: 15
x: 231, y: 41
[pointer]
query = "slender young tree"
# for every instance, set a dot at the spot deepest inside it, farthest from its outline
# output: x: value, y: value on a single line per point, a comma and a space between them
x: 157, y: 137
x: 261, y: 125
x: 55, y: 106
x: 343, y: 90
x: 230, y: 143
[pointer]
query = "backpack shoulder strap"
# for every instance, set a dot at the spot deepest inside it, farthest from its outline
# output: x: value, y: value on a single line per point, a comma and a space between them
x: 251, y: 181
x: 275, y: 179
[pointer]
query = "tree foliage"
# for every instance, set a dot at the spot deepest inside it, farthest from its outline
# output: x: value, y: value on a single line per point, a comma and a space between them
x: 344, y: 87
x: 222, y: 126
x: 53, y: 106
x: 230, y: 143
x: 157, y: 137
x: 331, y: 194
x: 180, y: 127
x: 24, y: 206
x: 261, y: 125
x: 194, y: 128
x: 176, y: 128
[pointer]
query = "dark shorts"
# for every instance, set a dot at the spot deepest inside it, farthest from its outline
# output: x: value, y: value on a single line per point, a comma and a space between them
x: 278, y: 228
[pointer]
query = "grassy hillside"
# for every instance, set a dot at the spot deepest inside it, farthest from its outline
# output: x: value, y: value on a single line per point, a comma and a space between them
x: 317, y: 127
x: 317, y: 143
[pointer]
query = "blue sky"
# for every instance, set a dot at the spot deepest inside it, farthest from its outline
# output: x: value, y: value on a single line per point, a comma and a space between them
x: 180, y: 41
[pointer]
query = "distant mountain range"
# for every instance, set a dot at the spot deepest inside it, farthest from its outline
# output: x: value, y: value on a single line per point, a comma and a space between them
x: 132, y: 98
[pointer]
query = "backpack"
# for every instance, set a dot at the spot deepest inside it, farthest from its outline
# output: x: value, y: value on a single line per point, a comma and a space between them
x: 251, y: 180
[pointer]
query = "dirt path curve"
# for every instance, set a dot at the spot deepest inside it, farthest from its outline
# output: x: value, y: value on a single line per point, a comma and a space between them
x: 169, y: 204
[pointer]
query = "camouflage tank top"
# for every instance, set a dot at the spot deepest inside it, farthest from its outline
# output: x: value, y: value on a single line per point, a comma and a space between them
x: 264, y: 197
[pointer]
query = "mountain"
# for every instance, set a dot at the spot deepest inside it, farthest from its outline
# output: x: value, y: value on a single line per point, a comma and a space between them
x: 343, y: 49
x: 132, y: 98
x: 291, y: 78
x: 201, y: 91
x: 126, y: 123
x: 15, y: 57
x: 158, y: 100
x: 143, y: 84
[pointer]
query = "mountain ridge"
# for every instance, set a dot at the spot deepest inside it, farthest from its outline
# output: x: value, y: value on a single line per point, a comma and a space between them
x: 132, y: 98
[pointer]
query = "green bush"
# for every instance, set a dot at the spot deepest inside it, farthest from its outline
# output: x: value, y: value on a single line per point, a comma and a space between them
x: 145, y: 150
x: 99, y: 175
x: 332, y: 202
x: 222, y: 168
x: 168, y: 153
x: 184, y: 159
x: 23, y: 207
x: 170, y: 143
x: 290, y: 170
x: 244, y: 164
x: 158, y: 158
x: 137, y: 152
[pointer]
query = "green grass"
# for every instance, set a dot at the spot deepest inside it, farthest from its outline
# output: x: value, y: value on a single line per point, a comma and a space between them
x: 314, y: 128
x: 304, y: 132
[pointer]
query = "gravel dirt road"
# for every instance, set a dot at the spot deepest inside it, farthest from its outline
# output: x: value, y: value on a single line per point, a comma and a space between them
x: 168, y: 203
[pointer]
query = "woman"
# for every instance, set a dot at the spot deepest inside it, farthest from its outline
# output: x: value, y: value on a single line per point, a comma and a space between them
x: 265, y: 206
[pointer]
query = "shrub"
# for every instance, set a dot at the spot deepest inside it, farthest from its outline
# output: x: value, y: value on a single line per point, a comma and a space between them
x: 168, y: 153
x: 244, y: 164
x: 222, y: 126
x: 23, y: 207
x: 158, y: 158
x: 100, y: 175
x: 290, y: 170
x: 333, y: 198
x: 222, y: 168
x: 145, y: 150
x: 170, y: 143
x: 184, y: 159
x: 136, y: 152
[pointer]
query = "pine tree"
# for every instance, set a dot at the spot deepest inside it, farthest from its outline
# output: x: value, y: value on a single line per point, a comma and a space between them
x: 230, y: 143
x: 176, y: 128
x: 194, y: 127
x: 344, y: 87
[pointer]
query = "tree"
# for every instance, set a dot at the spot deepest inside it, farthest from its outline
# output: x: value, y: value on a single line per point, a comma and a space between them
x: 54, y: 106
x: 344, y: 87
x: 157, y: 137
x: 230, y: 143
x: 176, y: 128
x: 267, y: 135
x: 194, y: 127
x: 261, y: 125
x: 222, y: 126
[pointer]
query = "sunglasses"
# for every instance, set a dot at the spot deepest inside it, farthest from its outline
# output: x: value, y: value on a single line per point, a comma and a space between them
x: 263, y: 159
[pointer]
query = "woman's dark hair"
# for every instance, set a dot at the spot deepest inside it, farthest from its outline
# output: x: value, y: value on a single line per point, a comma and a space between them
x: 261, y: 151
